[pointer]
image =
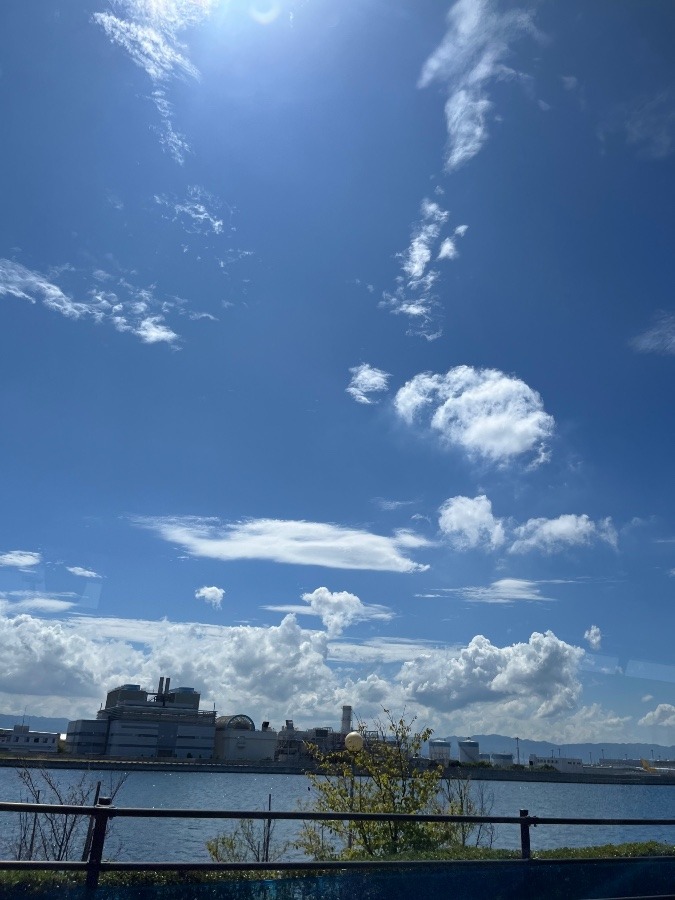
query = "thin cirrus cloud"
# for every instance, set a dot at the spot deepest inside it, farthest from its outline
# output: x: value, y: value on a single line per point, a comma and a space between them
x: 292, y: 542
x: 468, y: 523
x: 124, y: 306
x: 196, y: 212
x: 336, y: 609
x: 367, y: 380
x: 414, y: 296
x: 149, y: 34
x: 20, y: 559
x: 659, y: 338
x: 484, y: 412
x: 471, y: 57
x: 81, y: 572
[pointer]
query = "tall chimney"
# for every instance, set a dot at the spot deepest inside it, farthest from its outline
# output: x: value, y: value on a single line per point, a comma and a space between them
x: 346, y: 720
x: 160, y: 689
x: 166, y: 685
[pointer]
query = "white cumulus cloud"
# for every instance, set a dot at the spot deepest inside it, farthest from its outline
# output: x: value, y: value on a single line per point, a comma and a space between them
x: 472, y: 56
x: 294, y: 542
x: 664, y: 714
x: 484, y: 412
x: 553, y: 535
x: 336, y: 609
x: 594, y: 637
x: 468, y: 523
x: 543, y: 672
x: 212, y: 595
x: 367, y: 380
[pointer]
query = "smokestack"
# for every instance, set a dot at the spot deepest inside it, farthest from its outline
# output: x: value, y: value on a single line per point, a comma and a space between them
x: 166, y: 685
x: 346, y: 720
x: 160, y: 689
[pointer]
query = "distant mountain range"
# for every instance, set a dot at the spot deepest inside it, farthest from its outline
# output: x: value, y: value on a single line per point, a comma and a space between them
x: 499, y: 743
x: 37, y: 723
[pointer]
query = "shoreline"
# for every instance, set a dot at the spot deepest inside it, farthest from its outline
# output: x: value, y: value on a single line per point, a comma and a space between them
x: 477, y: 773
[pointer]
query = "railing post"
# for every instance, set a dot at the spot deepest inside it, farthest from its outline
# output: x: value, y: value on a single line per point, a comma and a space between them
x: 524, y: 835
x: 97, y: 841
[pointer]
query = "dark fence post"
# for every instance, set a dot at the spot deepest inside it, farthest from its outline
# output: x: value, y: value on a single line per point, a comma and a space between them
x: 524, y: 835
x: 97, y: 841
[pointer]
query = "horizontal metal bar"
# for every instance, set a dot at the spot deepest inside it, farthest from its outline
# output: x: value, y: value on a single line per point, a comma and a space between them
x: 298, y: 865
x: 305, y: 815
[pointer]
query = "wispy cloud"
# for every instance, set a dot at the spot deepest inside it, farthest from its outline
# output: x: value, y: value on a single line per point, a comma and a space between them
x: 293, y: 542
x: 82, y: 573
x: 660, y: 337
x: 336, y: 609
x: 414, y: 296
x: 123, y: 305
x: 472, y: 56
x: 149, y: 32
x: 505, y: 590
x: 172, y: 141
x: 367, y: 380
x: 380, y: 650
x: 37, y: 604
x: 484, y: 412
x: 647, y: 122
x: 212, y: 595
x: 197, y: 212
x: 389, y: 505
x: 20, y: 559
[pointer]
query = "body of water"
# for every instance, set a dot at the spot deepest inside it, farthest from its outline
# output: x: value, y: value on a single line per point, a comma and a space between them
x: 184, y: 839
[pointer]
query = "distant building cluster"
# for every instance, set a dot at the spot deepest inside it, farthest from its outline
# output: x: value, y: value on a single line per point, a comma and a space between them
x: 168, y: 724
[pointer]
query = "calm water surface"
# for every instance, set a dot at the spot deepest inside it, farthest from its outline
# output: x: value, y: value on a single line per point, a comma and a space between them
x: 184, y: 839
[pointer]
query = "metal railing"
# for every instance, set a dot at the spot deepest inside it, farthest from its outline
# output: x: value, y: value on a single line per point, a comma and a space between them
x: 103, y: 812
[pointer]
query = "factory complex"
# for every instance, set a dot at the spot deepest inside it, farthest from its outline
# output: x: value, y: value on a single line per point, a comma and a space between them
x: 167, y: 725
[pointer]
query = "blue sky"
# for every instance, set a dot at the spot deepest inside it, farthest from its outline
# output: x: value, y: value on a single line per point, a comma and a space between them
x: 336, y: 341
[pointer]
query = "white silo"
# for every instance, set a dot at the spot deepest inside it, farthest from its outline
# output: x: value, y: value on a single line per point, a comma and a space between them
x: 469, y: 751
x: 439, y: 751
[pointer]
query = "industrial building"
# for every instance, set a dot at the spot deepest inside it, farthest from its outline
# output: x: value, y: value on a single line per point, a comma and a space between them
x: 236, y: 739
x: 559, y: 763
x: 135, y: 723
x: 293, y: 744
x: 20, y: 739
x: 439, y: 751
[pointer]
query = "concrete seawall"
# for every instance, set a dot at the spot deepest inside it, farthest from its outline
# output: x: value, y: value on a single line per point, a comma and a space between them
x: 592, y: 775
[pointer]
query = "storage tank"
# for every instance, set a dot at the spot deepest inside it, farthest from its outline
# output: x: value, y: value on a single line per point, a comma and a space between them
x: 468, y: 751
x: 501, y: 759
x: 439, y: 751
